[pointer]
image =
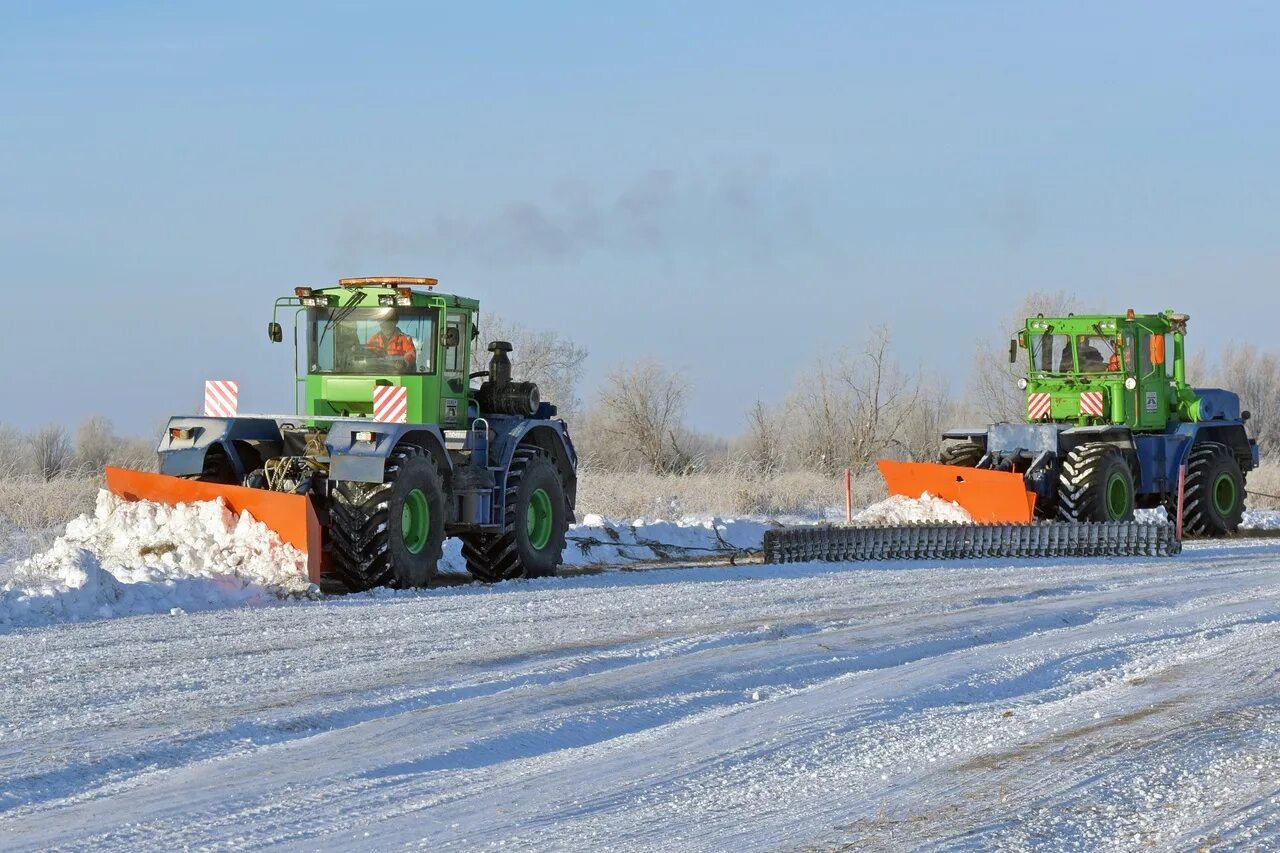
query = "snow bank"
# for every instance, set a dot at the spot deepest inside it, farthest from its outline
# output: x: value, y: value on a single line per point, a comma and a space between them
x: 131, y: 558
x: 1254, y: 519
x: 598, y: 540
x: 1261, y: 519
x: 898, y: 509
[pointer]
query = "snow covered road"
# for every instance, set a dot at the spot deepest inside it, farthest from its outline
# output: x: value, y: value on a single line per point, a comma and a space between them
x: 1072, y: 706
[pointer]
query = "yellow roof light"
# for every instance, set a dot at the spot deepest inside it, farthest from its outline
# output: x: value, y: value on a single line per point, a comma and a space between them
x: 388, y: 281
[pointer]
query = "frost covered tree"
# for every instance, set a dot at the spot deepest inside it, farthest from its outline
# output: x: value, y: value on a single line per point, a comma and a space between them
x: 763, y: 442
x: 638, y: 421
x: 96, y: 444
x: 50, y: 451
x: 854, y: 408
x: 995, y: 381
x: 1254, y: 374
x: 14, y: 455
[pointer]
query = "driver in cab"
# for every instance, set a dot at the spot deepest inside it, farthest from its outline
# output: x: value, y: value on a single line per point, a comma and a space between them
x: 391, y: 342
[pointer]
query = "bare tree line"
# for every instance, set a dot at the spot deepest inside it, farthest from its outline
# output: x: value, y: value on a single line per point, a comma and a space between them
x: 51, y: 451
x: 857, y: 406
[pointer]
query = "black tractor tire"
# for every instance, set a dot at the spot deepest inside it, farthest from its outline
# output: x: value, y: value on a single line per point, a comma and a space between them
x: 527, y: 547
x: 1095, y: 484
x: 218, y: 468
x: 1214, y: 493
x: 390, y: 533
x: 964, y: 454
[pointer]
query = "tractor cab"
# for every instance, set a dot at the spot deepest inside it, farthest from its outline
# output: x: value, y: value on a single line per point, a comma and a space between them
x: 386, y: 331
x: 1102, y: 369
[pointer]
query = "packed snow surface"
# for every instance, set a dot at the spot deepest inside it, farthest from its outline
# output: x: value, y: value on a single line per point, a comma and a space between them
x: 132, y: 558
x: 1064, y: 705
x: 899, y: 509
x: 1071, y: 704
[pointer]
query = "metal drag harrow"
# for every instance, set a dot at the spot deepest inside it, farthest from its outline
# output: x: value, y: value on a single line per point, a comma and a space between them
x: 933, y: 541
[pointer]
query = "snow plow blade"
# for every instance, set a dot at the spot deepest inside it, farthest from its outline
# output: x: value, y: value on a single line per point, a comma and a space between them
x: 970, y: 541
x: 989, y: 496
x: 292, y: 517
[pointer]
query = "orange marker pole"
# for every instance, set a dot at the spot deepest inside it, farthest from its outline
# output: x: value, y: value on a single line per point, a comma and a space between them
x: 848, y: 496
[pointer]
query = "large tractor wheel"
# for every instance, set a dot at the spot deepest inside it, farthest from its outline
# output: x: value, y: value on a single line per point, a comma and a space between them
x: 537, y: 517
x: 1213, y: 501
x: 965, y: 454
x: 389, y: 534
x: 1095, y: 484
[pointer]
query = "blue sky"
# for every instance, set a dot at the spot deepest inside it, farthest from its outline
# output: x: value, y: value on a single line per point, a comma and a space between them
x: 733, y: 189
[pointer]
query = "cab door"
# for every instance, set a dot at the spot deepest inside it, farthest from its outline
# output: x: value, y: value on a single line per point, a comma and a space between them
x: 1152, y: 403
x: 454, y: 369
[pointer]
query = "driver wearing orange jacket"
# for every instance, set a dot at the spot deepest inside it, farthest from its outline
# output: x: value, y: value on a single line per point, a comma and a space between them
x: 393, y: 343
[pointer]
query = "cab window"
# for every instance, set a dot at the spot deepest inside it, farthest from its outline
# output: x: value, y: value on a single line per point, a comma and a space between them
x: 1097, y: 354
x: 1050, y: 352
x: 371, y: 341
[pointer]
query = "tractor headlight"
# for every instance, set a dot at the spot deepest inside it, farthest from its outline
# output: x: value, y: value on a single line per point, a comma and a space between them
x: 389, y: 301
x: 1130, y: 383
x: 1022, y: 383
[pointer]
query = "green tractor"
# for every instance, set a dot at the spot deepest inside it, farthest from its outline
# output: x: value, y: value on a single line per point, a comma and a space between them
x: 1111, y: 425
x: 394, y: 449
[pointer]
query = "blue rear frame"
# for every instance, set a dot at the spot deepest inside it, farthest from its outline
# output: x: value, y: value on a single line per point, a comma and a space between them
x: 364, y: 461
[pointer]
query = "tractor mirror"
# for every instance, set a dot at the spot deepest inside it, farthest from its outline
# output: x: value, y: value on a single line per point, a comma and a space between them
x: 275, y: 333
x: 451, y: 336
x: 1013, y: 350
x: 1157, y: 349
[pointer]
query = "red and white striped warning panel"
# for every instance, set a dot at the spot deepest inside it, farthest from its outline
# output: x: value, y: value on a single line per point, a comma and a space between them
x: 221, y: 398
x: 1038, y: 405
x: 390, y: 404
x: 1091, y: 403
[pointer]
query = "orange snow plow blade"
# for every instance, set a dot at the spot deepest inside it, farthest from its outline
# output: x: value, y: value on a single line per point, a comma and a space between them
x: 292, y: 517
x: 989, y: 496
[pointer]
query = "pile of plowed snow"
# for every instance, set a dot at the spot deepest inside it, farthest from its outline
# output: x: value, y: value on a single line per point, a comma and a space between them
x: 898, y: 509
x: 133, y: 558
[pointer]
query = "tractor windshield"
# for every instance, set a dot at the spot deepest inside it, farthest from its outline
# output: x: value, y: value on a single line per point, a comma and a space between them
x: 1097, y: 354
x: 371, y: 341
x: 1051, y: 353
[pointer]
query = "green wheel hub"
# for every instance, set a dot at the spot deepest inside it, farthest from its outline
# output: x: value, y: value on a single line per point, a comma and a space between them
x: 539, y: 519
x: 415, y: 521
x: 1117, y: 497
x: 1224, y: 494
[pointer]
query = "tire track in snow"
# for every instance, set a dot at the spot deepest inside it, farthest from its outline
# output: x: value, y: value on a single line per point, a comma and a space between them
x: 657, y: 711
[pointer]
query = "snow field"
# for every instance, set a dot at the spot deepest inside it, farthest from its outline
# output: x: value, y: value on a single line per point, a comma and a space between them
x: 1118, y: 704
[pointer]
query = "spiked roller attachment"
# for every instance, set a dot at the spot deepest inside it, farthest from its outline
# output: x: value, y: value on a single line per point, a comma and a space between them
x: 970, y: 541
